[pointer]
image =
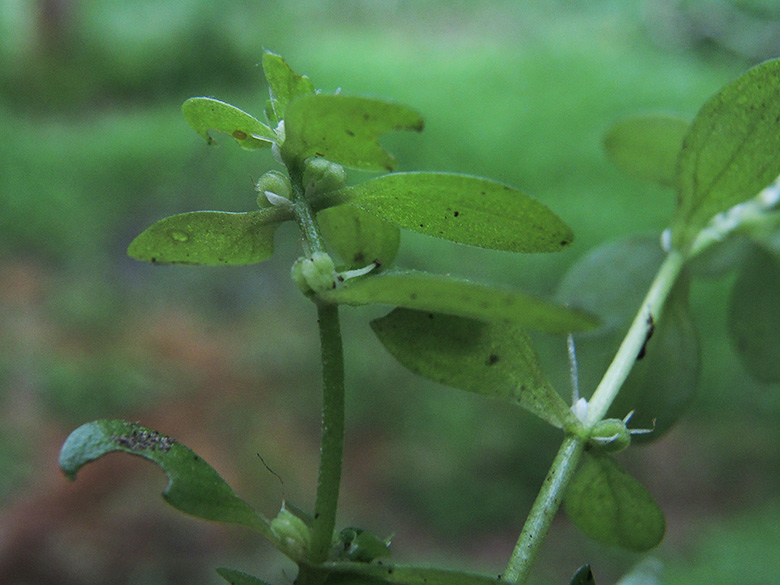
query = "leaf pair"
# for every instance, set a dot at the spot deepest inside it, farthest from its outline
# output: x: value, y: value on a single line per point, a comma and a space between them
x: 726, y: 156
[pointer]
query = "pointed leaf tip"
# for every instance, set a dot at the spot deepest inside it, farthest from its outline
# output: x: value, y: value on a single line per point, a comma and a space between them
x: 204, y: 114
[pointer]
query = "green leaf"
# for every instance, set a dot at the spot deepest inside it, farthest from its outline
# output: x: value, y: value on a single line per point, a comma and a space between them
x: 612, y: 507
x: 239, y: 578
x: 402, y: 575
x: 344, y: 129
x: 194, y: 487
x: 359, y: 237
x: 464, y: 209
x: 494, y: 360
x: 646, y: 146
x: 204, y: 114
x: 445, y: 294
x: 283, y: 83
x: 583, y: 576
x: 731, y: 152
x: 209, y: 238
x: 754, y: 315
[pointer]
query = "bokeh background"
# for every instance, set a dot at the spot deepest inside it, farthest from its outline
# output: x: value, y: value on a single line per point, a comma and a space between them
x: 94, y: 149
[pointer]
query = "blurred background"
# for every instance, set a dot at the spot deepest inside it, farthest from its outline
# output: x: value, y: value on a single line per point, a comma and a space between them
x: 94, y: 149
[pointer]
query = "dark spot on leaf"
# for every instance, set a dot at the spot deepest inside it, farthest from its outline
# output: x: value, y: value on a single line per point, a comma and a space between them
x: 456, y: 214
x: 390, y: 571
x: 422, y: 225
x: 565, y: 242
x: 317, y: 515
x: 359, y: 257
x: 366, y: 117
x: 413, y: 296
x: 320, y: 153
x: 430, y: 315
x: 239, y: 135
x: 349, y: 132
x: 492, y: 359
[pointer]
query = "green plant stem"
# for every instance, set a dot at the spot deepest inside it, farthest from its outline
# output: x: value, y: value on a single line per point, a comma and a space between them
x: 543, y: 510
x: 565, y: 464
x: 332, y: 446
x: 625, y: 358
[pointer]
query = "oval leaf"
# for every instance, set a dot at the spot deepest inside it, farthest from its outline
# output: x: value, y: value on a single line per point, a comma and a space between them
x: 464, y: 209
x: 194, y: 486
x: 754, y: 315
x: 583, y: 576
x: 359, y: 237
x: 204, y: 114
x: 283, y: 83
x: 402, y: 575
x: 495, y: 360
x: 731, y: 152
x: 209, y: 238
x: 646, y: 146
x: 445, y: 294
x: 612, y: 507
x: 344, y: 129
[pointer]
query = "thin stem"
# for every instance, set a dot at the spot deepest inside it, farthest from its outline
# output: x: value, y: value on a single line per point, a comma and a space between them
x: 332, y: 447
x: 543, y: 511
x: 637, y: 336
x: 562, y: 469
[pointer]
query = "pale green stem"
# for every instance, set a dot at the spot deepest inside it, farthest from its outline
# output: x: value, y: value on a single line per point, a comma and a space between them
x: 543, y: 511
x: 562, y: 469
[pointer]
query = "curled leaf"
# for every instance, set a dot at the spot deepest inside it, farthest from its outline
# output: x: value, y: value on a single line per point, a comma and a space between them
x: 283, y: 83
x: 194, y: 486
x: 204, y: 114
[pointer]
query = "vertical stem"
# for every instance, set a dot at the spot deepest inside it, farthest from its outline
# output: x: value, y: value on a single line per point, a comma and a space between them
x: 543, y: 511
x: 332, y: 447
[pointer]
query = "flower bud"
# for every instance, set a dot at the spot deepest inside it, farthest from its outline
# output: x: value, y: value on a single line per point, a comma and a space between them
x: 321, y: 176
x: 610, y: 435
x: 274, y: 188
x: 315, y: 274
x: 292, y: 532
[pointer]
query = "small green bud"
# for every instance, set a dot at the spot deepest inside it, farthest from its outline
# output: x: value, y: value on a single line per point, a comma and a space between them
x: 315, y: 274
x: 292, y: 532
x: 356, y: 544
x: 321, y: 176
x: 610, y: 435
x: 274, y: 188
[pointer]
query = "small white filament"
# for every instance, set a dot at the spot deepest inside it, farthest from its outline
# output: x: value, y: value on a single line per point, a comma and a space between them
x: 573, y: 370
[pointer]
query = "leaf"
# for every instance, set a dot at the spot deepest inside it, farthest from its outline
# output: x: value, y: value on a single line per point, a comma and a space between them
x: 239, y: 578
x: 754, y: 315
x: 583, y: 576
x: 663, y: 384
x: 204, y: 114
x: 445, y: 294
x: 612, y: 507
x: 646, y: 146
x: 494, y: 360
x: 194, y: 487
x: 209, y: 238
x: 283, y: 83
x: 344, y: 130
x: 464, y: 209
x: 359, y: 237
x: 343, y: 572
x: 731, y: 152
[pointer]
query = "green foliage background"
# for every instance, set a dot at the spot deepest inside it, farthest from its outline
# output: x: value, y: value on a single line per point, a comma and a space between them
x: 94, y: 149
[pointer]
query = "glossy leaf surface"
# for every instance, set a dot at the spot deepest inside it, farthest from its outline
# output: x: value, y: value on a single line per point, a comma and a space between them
x: 194, y: 486
x: 754, y: 315
x: 283, y: 83
x: 344, y: 129
x: 612, y: 507
x: 646, y: 146
x: 491, y: 359
x: 402, y: 575
x: 731, y: 152
x: 359, y: 237
x: 204, y: 114
x: 464, y: 209
x: 444, y: 294
x: 239, y: 578
x: 209, y: 238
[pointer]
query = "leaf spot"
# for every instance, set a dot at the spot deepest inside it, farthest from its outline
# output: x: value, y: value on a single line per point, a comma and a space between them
x: 492, y: 359
x: 239, y: 135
